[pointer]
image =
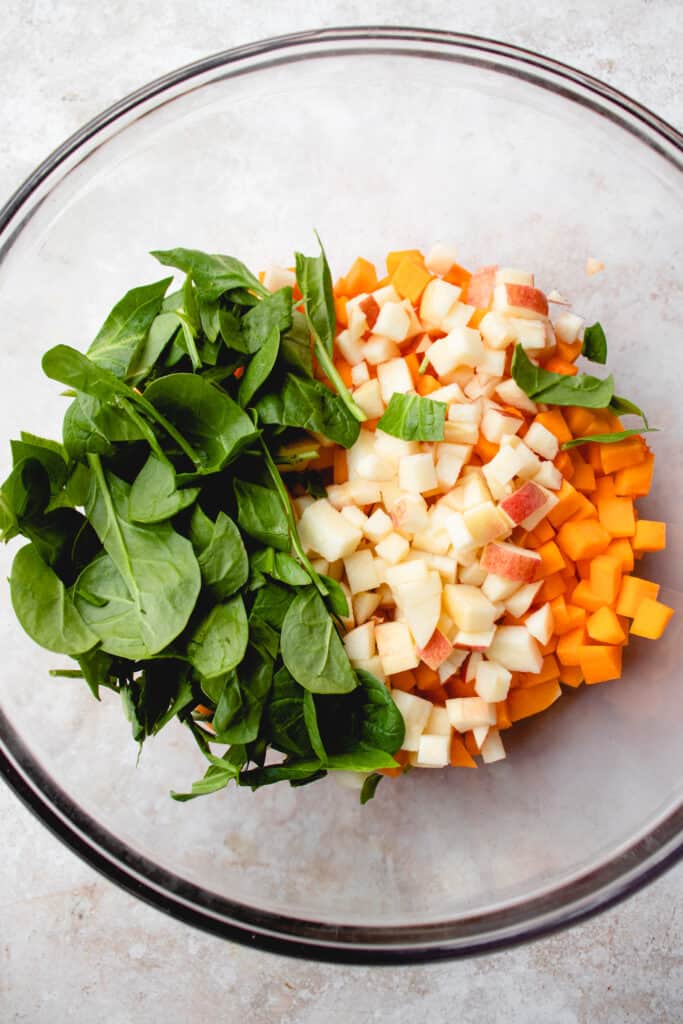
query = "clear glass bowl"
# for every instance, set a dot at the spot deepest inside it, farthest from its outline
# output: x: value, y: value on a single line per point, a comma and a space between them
x: 379, y: 139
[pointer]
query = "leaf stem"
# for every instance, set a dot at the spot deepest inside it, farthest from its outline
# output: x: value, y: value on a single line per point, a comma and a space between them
x: 331, y: 371
x: 145, y: 429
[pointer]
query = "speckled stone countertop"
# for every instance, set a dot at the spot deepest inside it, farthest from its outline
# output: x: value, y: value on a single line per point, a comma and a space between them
x: 72, y: 946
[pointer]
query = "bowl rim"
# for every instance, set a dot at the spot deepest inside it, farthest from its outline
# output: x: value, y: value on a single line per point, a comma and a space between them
x: 638, y: 863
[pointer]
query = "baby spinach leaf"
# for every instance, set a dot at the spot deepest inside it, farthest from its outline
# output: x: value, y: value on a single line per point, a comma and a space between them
x: 217, y: 777
x: 311, y: 721
x: 24, y: 494
x: 289, y: 771
x: 218, y: 643
x: 209, y: 320
x: 295, y: 346
x: 220, y: 552
x: 311, y: 647
x: 382, y: 724
x: 259, y: 368
x: 81, y: 434
x: 594, y: 344
x: 164, y: 328
x: 261, y: 515
x: 414, y: 418
x: 97, y: 669
x: 308, y: 404
x: 285, y: 722
x: 369, y: 788
x: 558, y: 389
x: 618, y: 435
x: 213, y: 274
x: 280, y: 566
x: 315, y: 282
x: 272, y: 314
x: 44, y: 607
x: 623, y: 407
x: 214, y: 425
x: 50, y: 454
x: 123, y: 334
x: 362, y: 759
x: 62, y: 537
x: 271, y: 604
x: 154, y: 496
x: 336, y: 598
x: 239, y: 710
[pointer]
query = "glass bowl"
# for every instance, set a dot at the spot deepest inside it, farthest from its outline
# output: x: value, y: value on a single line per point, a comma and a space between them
x: 379, y: 138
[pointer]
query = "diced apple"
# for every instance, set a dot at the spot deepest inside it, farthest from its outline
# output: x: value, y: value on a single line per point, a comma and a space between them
x: 365, y: 605
x: 460, y: 432
x: 302, y: 503
x: 450, y: 458
x: 420, y: 605
x: 480, y: 286
x: 523, y: 502
x: 451, y: 665
x: 324, y: 530
x: 438, y: 298
x: 528, y: 463
x: 465, y: 713
x: 393, y: 548
x: 446, y: 567
x: 568, y: 326
x: 433, y: 751
x: 475, y: 488
x: 369, y: 397
x: 473, y: 663
x: 530, y: 334
x: 532, y: 521
x: 492, y: 748
x: 377, y: 526
x: 461, y: 347
x: 434, y: 541
x: 386, y: 294
x: 378, y: 349
x: 520, y: 299
x: 448, y: 393
x: 436, y: 651
x: 441, y: 258
x: 409, y: 513
x: 540, y: 623
x: 395, y: 647
x: 351, y: 347
x: 458, y: 534
x: 360, y: 374
x: 321, y: 566
x: 415, y: 712
x: 481, y: 385
x: 361, y: 572
x: 522, y: 599
x: 468, y: 607
x: 364, y: 461
x: 510, y: 561
x: 493, y: 364
x: 360, y: 642
x: 492, y: 681
x: 513, y: 275
x: 438, y: 723
x: 515, y: 649
x: 549, y: 476
x: 497, y: 588
x: 474, y: 640
x: 355, y: 515
x: 354, y: 492
x: 497, y: 331
x: 542, y: 441
x: 276, y: 277
x: 459, y: 316
x: 504, y: 465
x: 510, y: 393
x: 393, y: 322
x: 416, y: 473
x: 495, y: 425
x: 406, y: 572
x: 485, y: 522
x: 373, y: 666
x: 394, y: 378
x: 472, y: 574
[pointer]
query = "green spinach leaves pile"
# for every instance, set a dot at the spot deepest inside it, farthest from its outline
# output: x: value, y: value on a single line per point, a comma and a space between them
x: 162, y: 550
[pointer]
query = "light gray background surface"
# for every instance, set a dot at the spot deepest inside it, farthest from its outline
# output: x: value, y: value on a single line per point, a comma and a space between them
x: 72, y: 946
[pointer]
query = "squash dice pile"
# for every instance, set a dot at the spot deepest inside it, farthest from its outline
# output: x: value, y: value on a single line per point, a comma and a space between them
x: 484, y: 570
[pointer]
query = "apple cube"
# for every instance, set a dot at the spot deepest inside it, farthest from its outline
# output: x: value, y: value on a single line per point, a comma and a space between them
x: 355, y: 515
x: 410, y: 514
x: 475, y: 489
x: 377, y: 526
x: 378, y: 349
x: 394, y: 378
x: 522, y: 599
x: 438, y: 298
x: 480, y: 286
x: 468, y: 607
x: 485, y: 522
x: 532, y: 521
x: 460, y: 432
x: 395, y: 647
x: 504, y: 465
x: 438, y: 723
x: 321, y: 566
x: 475, y: 641
x: 542, y: 441
x: 393, y: 548
x: 369, y: 397
x: 451, y: 665
x: 354, y: 492
x: 441, y: 258
x: 460, y: 537
x: 302, y: 503
x: 493, y: 364
x: 420, y: 605
x: 432, y: 540
x: 496, y: 330
x: 492, y: 681
x: 276, y: 277
x: 373, y: 666
x: 394, y: 447
x: 436, y: 651
x: 417, y: 473
x: 360, y: 642
x: 492, y: 748
x: 497, y: 588
x: 324, y: 530
x: 446, y: 567
x: 364, y: 606
x: 434, y: 751
x: 351, y: 347
x: 461, y: 347
x: 481, y: 385
x: 568, y: 326
x: 465, y: 713
x: 520, y: 299
x: 407, y: 572
x: 511, y: 393
x: 363, y: 460
x: 459, y: 316
x: 468, y: 412
x: 528, y: 463
x: 523, y: 502
x: 415, y: 712
x: 360, y: 374
x: 513, y: 275
x: 515, y: 649
x: 386, y: 294
x: 450, y: 458
x: 530, y: 334
x: 472, y: 574
x: 448, y: 393
x: 361, y: 571
x: 540, y: 624
x: 496, y: 424
x: 549, y: 476
x: 393, y: 322
x: 510, y: 561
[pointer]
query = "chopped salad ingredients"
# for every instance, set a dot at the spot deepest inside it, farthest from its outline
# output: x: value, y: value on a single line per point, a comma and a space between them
x: 350, y: 528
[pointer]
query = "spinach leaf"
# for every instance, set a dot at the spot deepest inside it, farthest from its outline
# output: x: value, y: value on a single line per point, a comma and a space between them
x: 271, y: 604
x: 280, y: 566
x: 308, y: 404
x: 154, y: 697
x: 289, y: 771
x: 213, y: 274
x: 414, y: 418
x: 50, y: 454
x: 623, y: 407
x: 239, y: 710
x: 259, y: 368
x: 263, y: 638
x: 219, y: 641
x: 220, y: 552
x: 138, y: 596
x: 362, y: 759
x: 64, y: 540
x: 97, y: 668
x: 285, y: 722
x: 81, y: 434
x: 370, y: 787
x: 315, y: 282
x: 311, y: 647
x: 382, y: 724
x: 164, y: 328
x: 24, y: 494
x: 618, y: 435
x: 208, y: 318
x: 123, y: 334
x: 217, y: 777
x: 295, y: 346
x: 558, y: 389
x: 336, y: 598
x: 44, y: 607
x: 154, y: 496
x: 216, y: 427
x: 261, y: 515
x: 311, y: 722
x: 594, y: 344
x: 273, y: 314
